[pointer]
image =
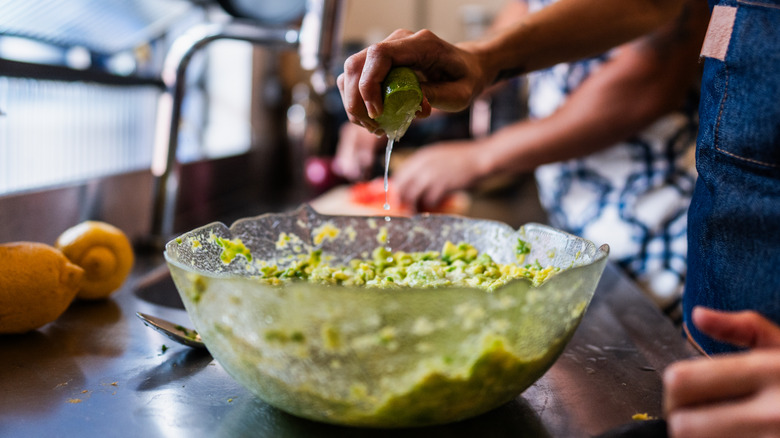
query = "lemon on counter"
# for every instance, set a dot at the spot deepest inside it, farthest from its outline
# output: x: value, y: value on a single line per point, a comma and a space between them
x: 103, y: 251
x: 402, y: 97
x: 37, y: 284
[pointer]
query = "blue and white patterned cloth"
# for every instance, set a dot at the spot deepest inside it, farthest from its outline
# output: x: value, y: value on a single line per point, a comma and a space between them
x: 633, y: 196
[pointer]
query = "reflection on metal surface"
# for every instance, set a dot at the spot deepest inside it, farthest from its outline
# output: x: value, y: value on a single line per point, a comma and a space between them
x: 178, y: 365
x: 251, y: 417
x: 165, y: 412
x: 266, y: 11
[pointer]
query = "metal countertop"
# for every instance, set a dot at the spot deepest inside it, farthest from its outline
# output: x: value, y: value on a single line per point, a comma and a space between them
x: 98, y: 371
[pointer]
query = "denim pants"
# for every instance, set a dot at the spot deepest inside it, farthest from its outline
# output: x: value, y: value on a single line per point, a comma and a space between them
x: 734, y: 218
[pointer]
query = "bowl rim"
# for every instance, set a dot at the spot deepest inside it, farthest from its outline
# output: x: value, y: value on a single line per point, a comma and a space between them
x: 601, y: 251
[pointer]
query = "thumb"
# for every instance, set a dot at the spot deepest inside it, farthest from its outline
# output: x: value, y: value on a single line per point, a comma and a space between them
x: 745, y: 328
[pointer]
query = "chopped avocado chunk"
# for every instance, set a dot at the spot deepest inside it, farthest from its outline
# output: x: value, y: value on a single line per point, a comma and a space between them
x: 231, y: 248
x: 523, y: 247
x: 458, y: 264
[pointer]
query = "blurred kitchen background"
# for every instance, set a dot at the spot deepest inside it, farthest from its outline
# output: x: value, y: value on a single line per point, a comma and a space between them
x: 162, y: 115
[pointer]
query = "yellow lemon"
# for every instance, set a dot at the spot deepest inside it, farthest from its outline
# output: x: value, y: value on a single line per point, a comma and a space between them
x: 401, y: 98
x: 104, y: 252
x: 37, y: 284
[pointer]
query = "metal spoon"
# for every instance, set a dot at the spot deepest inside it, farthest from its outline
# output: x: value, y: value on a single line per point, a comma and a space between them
x: 176, y: 332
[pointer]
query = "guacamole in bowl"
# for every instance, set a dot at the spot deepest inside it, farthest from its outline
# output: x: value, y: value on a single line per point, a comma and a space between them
x: 384, y: 322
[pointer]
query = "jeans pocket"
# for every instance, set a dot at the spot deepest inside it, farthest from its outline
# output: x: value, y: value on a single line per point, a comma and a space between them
x: 746, y: 123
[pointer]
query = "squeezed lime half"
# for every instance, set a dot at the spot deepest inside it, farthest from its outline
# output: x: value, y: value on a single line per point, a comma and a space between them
x: 402, y: 98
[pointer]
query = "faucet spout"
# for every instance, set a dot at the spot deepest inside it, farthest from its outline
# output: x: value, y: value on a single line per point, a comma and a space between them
x: 317, y: 40
x: 164, y: 163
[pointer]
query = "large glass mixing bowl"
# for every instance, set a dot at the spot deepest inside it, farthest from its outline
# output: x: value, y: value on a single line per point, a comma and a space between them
x: 381, y: 357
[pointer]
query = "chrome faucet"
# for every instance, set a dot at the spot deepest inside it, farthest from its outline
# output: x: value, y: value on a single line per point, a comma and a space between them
x: 317, y: 39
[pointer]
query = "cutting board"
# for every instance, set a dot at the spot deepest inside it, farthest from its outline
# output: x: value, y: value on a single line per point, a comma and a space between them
x: 343, y: 200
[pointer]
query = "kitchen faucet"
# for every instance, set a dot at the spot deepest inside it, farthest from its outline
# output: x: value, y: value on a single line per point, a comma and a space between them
x: 317, y: 40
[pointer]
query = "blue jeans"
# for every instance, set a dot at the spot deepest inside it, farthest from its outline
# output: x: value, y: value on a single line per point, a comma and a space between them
x: 734, y: 218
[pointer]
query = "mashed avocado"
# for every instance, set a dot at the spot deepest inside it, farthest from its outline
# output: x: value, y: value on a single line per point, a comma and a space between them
x: 455, y: 265
x: 485, y: 369
x: 326, y: 231
x: 433, y: 393
x: 436, y: 394
x: 231, y: 248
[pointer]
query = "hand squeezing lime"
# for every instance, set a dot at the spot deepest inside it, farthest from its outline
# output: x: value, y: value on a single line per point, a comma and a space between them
x: 402, y: 97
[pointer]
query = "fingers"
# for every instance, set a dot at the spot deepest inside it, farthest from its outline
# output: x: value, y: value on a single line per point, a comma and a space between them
x: 745, y: 329
x: 433, y: 197
x: 425, y: 108
x: 407, y: 186
x: 755, y: 416
x: 450, y: 76
x: 345, y: 163
x: 417, y: 186
x: 375, y: 68
x: 360, y: 84
x: 431, y: 173
x: 348, y: 83
x: 379, y: 59
x: 705, y: 381
x: 728, y: 395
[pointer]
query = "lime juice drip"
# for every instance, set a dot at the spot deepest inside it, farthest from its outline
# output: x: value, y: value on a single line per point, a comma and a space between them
x: 388, y: 247
x: 388, y: 151
x: 392, y: 137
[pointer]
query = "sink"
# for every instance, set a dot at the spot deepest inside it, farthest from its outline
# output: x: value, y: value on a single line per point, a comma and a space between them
x: 157, y: 288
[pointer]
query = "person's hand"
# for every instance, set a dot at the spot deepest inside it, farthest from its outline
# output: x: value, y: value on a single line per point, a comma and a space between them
x: 356, y: 152
x: 428, y: 175
x: 450, y: 76
x: 729, y: 395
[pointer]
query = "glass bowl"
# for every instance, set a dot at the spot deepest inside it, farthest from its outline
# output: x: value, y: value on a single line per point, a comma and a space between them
x: 371, y: 357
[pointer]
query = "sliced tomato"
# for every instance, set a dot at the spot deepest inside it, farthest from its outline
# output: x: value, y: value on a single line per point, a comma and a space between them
x: 368, y: 193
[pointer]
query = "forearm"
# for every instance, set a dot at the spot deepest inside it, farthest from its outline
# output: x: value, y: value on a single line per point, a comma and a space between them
x: 595, y: 117
x: 568, y: 30
x: 644, y: 81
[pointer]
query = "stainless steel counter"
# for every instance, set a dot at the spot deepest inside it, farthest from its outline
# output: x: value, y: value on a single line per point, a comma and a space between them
x: 98, y: 371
